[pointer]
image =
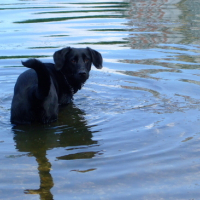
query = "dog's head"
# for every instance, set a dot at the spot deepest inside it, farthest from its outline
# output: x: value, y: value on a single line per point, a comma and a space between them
x: 76, y: 63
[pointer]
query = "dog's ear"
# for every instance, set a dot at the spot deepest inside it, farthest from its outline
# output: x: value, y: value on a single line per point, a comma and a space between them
x: 59, y: 57
x: 97, y: 59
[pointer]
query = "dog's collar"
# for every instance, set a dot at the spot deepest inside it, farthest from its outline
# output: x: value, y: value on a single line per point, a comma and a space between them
x: 67, y: 83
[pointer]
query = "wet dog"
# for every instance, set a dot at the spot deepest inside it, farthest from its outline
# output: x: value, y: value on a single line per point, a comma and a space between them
x: 40, y: 90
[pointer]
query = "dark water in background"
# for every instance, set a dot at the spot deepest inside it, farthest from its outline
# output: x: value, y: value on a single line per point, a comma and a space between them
x: 133, y: 131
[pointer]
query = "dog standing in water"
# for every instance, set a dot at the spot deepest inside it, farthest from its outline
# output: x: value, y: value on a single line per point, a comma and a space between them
x: 40, y: 90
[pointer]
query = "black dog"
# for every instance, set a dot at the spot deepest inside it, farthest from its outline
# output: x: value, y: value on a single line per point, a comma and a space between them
x: 40, y: 90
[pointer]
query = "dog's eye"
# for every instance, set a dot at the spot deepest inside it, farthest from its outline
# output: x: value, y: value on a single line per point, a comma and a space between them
x: 86, y: 60
x: 73, y: 61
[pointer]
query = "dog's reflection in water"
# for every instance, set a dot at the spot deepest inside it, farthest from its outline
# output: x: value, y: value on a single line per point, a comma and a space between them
x: 71, y: 131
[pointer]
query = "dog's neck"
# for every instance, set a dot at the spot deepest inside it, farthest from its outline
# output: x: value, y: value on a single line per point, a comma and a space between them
x: 67, y: 83
x: 73, y: 85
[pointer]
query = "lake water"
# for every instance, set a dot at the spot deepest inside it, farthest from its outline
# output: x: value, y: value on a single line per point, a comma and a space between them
x: 133, y: 131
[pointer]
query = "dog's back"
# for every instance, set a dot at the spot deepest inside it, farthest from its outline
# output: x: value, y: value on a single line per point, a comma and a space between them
x: 30, y: 102
x: 21, y: 111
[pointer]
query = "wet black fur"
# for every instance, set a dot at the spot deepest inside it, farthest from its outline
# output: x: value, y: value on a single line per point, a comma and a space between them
x: 40, y: 90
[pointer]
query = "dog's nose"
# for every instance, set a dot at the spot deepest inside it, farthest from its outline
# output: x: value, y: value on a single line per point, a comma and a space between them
x: 82, y: 73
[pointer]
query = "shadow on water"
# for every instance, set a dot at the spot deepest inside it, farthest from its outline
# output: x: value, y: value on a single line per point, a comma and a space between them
x: 36, y: 140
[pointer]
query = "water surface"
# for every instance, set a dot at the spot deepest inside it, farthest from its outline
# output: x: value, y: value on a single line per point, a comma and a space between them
x: 132, y: 132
